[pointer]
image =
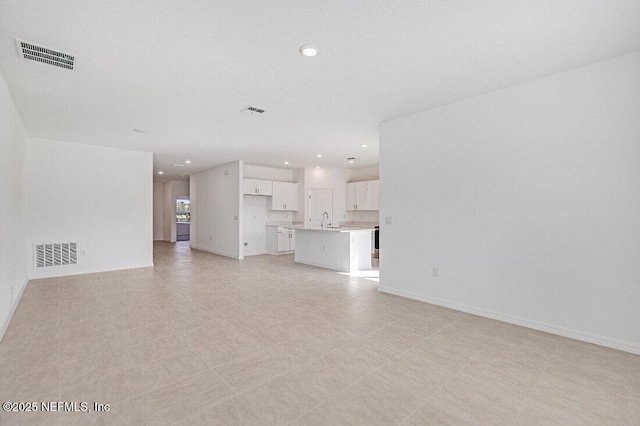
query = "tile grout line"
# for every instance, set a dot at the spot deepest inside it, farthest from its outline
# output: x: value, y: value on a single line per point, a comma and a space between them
x: 289, y: 371
x: 376, y: 369
x: 450, y: 378
x: 544, y: 370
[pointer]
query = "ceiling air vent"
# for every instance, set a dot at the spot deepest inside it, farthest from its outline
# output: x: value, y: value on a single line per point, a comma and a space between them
x: 45, y: 55
x: 252, y: 110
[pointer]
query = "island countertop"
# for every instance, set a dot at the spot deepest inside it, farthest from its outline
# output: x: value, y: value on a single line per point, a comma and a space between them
x: 330, y: 229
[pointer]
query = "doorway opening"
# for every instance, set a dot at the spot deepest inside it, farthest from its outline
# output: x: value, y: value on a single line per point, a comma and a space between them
x: 183, y: 218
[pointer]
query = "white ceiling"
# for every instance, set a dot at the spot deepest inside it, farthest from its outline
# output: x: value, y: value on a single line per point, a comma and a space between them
x: 182, y: 70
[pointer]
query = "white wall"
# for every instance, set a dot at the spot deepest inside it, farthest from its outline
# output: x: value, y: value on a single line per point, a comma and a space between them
x: 268, y: 173
x: 216, y: 210
x: 366, y: 173
x: 158, y: 211
x: 527, y: 199
x: 13, y: 254
x: 99, y: 197
x: 254, y: 219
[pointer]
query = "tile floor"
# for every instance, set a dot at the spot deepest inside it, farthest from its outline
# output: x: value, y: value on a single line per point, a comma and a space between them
x: 201, y: 339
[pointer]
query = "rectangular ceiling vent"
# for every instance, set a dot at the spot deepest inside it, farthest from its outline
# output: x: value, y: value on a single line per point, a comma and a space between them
x: 252, y: 110
x: 45, y: 55
x: 56, y: 254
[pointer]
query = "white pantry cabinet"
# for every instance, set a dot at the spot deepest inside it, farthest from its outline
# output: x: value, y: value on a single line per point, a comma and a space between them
x: 284, y: 196
x: 363, y: 195
x: 257, y: 187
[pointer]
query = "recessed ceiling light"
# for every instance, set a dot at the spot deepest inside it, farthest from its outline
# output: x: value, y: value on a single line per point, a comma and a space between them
x: 138, y: 131
x: 319, y: 155
x: 364, y: 145
x: 160, y: 173
x: 286, y: 162
x: 308, y: 50
x: 187, y: 161
x: 317, y: 167
x: 351, y: 161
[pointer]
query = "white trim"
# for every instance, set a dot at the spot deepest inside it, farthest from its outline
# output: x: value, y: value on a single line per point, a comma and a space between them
x: 219, y: 253
x: 14, y: 305
x: 60, y: 273
x: 321, y: 265
x: 524, y: 322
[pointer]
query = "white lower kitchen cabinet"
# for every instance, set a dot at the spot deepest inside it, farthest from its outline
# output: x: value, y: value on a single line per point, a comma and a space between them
x: 280, y: 239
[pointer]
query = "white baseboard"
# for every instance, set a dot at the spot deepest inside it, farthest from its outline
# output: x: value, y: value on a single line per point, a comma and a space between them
x: 320, y: 265
x: 12, y: 309
x: 39, y: 275
x: 524, y: 322
x: 218, y: 252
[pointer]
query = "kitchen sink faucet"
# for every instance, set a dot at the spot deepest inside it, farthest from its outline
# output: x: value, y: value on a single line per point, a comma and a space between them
x: 322, y: 224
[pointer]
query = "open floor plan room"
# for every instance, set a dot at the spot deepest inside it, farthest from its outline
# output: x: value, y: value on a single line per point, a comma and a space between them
x: 202, y: 339
x: 334, y: 212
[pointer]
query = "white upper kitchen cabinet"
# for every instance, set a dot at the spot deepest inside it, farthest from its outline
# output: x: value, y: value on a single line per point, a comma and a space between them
x: 284, y: 196
x: 352, y: 196
x: 363, y: 195
x: 257, y: 187
x: 373, y: 195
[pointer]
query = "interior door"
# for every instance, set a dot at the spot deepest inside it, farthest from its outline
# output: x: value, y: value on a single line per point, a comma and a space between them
x: 321, y: 202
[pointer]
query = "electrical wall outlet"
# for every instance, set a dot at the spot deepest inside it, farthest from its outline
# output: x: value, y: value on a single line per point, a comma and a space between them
x: 435, y: 272
x: 387, y: 220
x: 324, y: 249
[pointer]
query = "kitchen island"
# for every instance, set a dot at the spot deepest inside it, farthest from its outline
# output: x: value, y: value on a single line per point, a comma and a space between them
x: 346, y: 249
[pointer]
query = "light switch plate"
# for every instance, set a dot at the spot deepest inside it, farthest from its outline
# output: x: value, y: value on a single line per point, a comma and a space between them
x: 387, y: 220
